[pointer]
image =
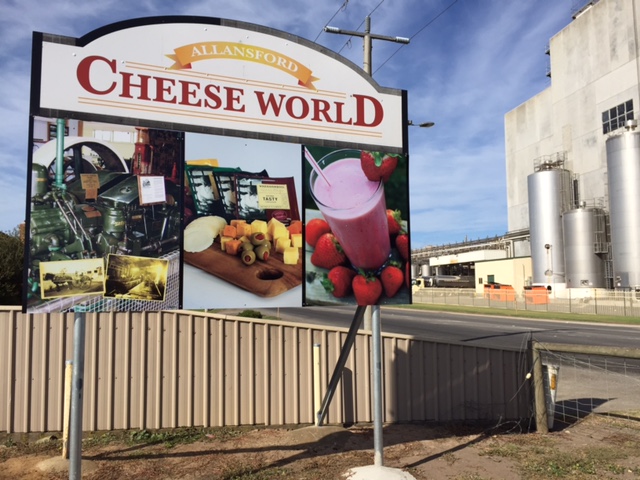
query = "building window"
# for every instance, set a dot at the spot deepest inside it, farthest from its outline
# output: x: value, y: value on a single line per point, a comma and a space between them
x: 616, y: 117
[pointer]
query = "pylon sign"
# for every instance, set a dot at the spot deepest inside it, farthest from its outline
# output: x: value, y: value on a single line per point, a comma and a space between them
x: 144, y: 94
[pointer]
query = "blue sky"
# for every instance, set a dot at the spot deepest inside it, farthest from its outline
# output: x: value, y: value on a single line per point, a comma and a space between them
x: 469, y: 62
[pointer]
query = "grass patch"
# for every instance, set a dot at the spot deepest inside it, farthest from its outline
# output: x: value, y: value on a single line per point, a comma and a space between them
x: 182, y: 436
x: 592, y: 461
x: 575, y: 317
x: 11, y: 448
x: 507, y: 450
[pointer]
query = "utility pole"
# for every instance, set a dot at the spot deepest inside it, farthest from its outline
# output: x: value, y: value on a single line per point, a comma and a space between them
x: 372, y: 319
x: 368, y: 37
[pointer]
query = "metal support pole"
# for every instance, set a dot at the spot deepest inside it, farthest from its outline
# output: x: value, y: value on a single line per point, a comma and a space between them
x: 317, y: 394
x: 366, y: 324
x: 68, y: 375
x: 342, y: 360
x: 77, y: 394
x: 60, y: 124
x: 376, y: 338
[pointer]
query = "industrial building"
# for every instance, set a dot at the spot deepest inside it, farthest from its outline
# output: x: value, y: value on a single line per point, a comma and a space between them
x: 572, y: 167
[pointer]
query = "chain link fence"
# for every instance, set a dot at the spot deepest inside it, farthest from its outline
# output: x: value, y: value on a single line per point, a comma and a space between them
x: 580, y: 380
x: 587, y: 302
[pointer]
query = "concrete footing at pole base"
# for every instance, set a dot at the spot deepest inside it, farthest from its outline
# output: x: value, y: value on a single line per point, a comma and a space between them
x: 374, y: 472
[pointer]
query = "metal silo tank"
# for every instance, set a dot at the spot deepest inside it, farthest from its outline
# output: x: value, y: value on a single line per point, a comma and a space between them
x: 583, y: 231
x: 623, y: 173
x: 549, y: 192
x: 414, y: 270
x: 425, y: 270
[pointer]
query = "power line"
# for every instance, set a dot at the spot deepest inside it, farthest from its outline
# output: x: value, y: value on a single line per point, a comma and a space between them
x: 417, y: 33
x: 361, y: 23
x: 342, y: 8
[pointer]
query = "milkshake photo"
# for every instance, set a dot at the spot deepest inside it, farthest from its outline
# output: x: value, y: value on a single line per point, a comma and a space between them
x: 356, y: 227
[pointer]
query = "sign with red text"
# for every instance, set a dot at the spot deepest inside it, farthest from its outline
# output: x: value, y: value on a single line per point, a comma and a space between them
x: 227, y: 77
x: 185, y: 171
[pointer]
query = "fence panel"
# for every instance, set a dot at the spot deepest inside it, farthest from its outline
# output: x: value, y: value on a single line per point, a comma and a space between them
x: 587, y: 302
x: 178, y: 369
x: 590, y: 379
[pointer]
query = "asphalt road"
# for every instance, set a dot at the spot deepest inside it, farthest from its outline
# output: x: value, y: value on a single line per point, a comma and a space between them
x: 478, y: 330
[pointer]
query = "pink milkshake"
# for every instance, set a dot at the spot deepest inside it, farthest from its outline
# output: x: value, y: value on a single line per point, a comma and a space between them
x: 354, y: 207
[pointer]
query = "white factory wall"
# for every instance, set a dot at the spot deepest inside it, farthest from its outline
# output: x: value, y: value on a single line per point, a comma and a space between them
x: 516, y: 272
x: 467, y: 257
x: 594, y: 67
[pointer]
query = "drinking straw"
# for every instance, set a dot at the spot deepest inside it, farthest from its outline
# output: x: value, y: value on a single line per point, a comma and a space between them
x: 314, y: 164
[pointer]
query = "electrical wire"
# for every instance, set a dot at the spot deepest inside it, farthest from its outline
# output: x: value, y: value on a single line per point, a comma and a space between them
x: 417, y: 33
x: 342, y: 8
x: 348, y: 42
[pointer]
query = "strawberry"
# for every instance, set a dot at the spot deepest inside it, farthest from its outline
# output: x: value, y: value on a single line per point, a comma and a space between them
x: 377, y: 165
x: 328, y: 252
x: 394, y: 219
x: 402, y: 244
x: 338, y: 281
x: 314, y: 229
x: 392, y: 279
x: 366, y: 288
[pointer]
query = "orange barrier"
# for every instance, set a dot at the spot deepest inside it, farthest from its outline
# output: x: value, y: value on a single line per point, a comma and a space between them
x: 536, y: 295
x: 499, y: 293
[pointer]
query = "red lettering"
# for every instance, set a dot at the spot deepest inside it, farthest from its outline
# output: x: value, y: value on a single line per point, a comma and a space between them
x: 303, y: 107
x: 270, y: 104
x: 211, y: 91
x: 233, y: 99
x: 339, y: 113
x: 100, y: 76
x: 163, y: 85
x: 321, y: 107
x: 83, y: 73
x: 188, y: 93
x: 127, y: 85
x: 361, y: 111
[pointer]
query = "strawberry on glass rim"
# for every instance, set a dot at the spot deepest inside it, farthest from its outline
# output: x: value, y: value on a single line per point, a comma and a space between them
x: 378, y: 165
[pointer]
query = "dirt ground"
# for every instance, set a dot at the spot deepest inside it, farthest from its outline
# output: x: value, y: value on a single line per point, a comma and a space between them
x: 594, y: 448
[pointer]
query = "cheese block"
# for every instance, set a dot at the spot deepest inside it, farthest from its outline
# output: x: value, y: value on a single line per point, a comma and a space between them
x: 291, y: 255
x: 223, y: 242
x: 282, y: 243
x: 272, y: 224
x: 259, y: 226
x: 296, y: 240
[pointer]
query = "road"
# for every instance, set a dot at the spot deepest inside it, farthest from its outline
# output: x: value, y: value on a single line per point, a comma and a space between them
x: 478, y: 330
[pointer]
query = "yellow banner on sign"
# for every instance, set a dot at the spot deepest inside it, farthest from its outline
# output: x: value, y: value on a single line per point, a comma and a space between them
x: 184, y: 56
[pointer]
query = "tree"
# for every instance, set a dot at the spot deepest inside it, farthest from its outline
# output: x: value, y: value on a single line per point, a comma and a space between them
x: 11, y: 266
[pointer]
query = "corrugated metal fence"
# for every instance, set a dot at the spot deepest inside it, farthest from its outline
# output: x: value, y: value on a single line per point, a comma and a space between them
x: 182, y: 368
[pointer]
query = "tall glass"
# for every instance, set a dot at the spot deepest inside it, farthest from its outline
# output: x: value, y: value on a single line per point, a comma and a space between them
x: 354, y: 207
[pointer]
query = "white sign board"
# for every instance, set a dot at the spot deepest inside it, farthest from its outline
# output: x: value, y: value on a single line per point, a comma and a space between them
x: 221, y: 77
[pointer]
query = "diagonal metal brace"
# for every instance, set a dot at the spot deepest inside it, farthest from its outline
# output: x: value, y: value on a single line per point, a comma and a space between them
x: 342, y: 360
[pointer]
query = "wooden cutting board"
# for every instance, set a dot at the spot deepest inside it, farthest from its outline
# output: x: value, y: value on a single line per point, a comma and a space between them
x: 265, y: 279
